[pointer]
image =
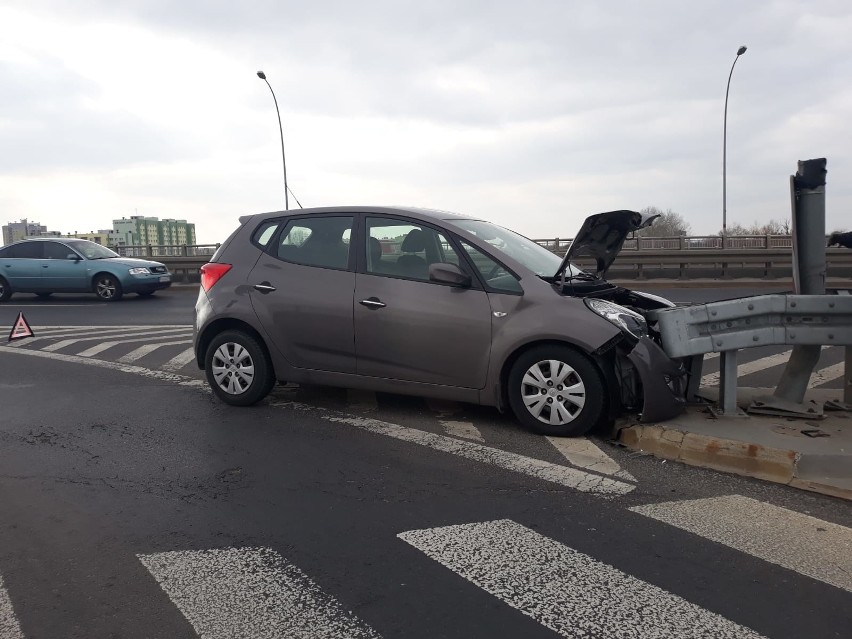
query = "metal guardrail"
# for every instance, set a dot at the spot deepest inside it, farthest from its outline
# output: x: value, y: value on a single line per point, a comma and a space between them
x: 680, y: 243
x: 166, y: 250
x: 727, y: 326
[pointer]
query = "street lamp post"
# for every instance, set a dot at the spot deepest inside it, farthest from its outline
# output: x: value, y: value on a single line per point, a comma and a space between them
x: 740, y: 51
x: 262, y: 76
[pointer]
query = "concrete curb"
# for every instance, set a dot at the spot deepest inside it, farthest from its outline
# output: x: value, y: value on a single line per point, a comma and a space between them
x: 783, y: 466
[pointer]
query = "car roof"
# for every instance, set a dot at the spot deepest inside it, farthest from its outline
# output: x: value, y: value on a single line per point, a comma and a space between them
x: 407, y: 211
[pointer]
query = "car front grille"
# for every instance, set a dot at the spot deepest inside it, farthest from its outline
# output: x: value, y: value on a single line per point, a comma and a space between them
x: 158, y: 269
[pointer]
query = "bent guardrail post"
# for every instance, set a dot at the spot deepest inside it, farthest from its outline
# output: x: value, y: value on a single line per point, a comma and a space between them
x: 807, y: 199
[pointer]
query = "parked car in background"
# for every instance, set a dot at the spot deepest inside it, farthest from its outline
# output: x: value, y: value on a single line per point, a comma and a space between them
x: 45, y: 265
x: 430, y: 303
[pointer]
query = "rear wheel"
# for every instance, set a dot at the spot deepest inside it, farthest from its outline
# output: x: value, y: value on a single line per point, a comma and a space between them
x: 5, y: 290
x: 238, y: 368
x: 556, y: 390
x: 107, y: 287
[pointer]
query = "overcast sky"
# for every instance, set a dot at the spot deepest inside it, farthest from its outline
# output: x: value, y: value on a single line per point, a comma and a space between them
x: 530, y: 114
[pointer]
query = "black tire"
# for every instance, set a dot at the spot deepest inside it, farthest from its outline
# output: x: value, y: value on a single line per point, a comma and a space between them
x: 5, y: 290
x: 574, y: 412
x: 43, y: 296
x: 107, y: 287
x: 236, y: 349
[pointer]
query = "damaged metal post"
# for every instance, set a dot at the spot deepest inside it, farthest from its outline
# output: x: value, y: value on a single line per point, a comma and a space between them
x: 807, y: 190
x: 728, y: 383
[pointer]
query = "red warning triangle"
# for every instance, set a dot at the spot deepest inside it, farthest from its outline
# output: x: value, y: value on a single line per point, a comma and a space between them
x: 21, y: 329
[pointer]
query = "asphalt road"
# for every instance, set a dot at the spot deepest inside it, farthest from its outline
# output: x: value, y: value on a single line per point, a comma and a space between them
x: 132, y: 504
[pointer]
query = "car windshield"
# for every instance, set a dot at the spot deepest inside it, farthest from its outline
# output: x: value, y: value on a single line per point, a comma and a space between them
x: 91, y: 250
x: 534, y: 256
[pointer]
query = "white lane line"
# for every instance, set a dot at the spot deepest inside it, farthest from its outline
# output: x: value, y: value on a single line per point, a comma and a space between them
x: 563, y: 589
x: 10, y: 628
x: 584, y: 453
x: 555, y: 473
x: 165, y: 333
x: 827, y: 374
x: 96, y: 330
x: 250, y: 593
x: 455, y: 427
x: 812, y: 547
x: 103, y: 346
x: 147, y: 349
x: 163, y: 376
x: 179, y: 361
x: 361, y: 400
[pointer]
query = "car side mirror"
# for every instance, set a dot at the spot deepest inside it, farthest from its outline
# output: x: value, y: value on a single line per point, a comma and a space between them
x: 445, y: 273
x: 73, y: 256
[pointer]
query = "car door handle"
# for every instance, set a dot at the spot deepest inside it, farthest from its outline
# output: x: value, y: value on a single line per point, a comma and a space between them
x: 264, y: 287
x: 373, y: 303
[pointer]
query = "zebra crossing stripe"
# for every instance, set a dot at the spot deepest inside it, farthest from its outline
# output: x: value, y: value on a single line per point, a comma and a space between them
x: 563, y: 589
x: 555, y: 473
x: 817, y: 549
x: 754, y: 366
x: 44, y: 335
x: 9, y: 626
x: 827, y: 374
x: 166, y: 332
x: 584, y: 453
x: 250, y: 593
x: 103, y: 346
x: 147, y: 349
x: 180, y: 360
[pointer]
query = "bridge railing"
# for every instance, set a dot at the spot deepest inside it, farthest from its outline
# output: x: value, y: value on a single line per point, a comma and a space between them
x: 684, y: 242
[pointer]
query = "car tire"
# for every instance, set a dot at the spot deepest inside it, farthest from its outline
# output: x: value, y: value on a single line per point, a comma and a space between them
x: 5, y: 290
x: 107, y: 287
x: 544, y: 403
x: 43, y: 295
x: 238, y: 350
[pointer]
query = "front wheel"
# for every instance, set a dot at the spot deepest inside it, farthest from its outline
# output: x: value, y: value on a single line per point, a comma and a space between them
x: 107, y: 288
x: 556, y: 390
x: 238, y: 369
x: 5, y: 290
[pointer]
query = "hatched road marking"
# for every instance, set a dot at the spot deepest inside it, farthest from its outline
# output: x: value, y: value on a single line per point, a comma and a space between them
x: 10, y: 628
x: 147, y: 349
x: 583, y: 453
x: 812, y: 547
x: 564, y: 590
x: 250, y: 593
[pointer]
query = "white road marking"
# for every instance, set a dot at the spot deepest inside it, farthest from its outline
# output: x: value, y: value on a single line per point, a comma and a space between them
x: 555, y: 473
x: 10, y: 628
x: 584, y: 453
x: 361, y: 400
x: 103, y: 346
x: 805, y: 544
x: 95, y: 330
x: 179, y: 361
x: 250, y: 593
x: 454, y: 427
x: 564, y: 590
x: 146, y: 349
x: 754, y: 366
x: 827, y: 374
x: 151, y: 334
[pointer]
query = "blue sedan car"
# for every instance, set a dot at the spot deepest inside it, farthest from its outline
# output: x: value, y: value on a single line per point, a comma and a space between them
x: 44, y: 266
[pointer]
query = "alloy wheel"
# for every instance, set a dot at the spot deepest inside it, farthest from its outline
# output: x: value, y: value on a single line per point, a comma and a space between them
x: 233, y: 368
x: 553, y: 392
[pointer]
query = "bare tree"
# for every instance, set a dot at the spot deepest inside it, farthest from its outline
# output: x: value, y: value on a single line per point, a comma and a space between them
x: 772, y: 227
x: 669, y: 224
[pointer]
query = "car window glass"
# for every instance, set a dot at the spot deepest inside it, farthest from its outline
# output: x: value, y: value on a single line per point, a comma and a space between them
x: 495, y: 275
x: 317, y: 241
x: 56, y: 251
x: 264, y: 233
x: 31, y: 250
x: 404, y: 249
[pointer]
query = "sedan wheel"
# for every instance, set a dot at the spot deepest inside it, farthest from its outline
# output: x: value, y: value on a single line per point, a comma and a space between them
x: 5, y: 290
x: 556, y: 390
x: 238, y: 369
x: 107, y: 288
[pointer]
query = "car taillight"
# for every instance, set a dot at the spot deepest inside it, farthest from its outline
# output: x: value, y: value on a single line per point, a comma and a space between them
x: 211, y: 273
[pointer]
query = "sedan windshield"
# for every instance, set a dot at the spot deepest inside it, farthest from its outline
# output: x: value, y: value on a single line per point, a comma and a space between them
x: 92, y: 250
x: 534, y: 256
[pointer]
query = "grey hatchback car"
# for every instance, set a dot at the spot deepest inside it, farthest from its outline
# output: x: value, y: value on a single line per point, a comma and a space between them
x: 431, y: 303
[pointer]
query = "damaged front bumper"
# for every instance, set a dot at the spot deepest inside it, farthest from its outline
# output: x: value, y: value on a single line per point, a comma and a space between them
x: 652, y: 382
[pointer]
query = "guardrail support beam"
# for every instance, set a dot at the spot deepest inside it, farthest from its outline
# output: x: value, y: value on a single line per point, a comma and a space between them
x: 728, y: 383
x: 847, y: 376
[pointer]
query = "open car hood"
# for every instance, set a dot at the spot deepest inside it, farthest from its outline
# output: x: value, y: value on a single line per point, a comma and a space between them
x: 602, y: 236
